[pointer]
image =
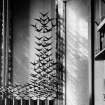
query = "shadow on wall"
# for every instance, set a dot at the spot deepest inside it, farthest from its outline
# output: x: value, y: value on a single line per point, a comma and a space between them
x: 21, y: 14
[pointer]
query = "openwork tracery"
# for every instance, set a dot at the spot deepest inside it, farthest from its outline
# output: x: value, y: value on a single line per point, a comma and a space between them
x: 48, y: 79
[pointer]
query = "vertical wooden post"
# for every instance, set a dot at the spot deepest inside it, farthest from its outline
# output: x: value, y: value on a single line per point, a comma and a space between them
x: 65, y: 2
x: 92, y: 53
x: 29, y: 101
x: 21, y: 101
x: 13, y: 101
x: 5, y: 101
x: 38, y: 102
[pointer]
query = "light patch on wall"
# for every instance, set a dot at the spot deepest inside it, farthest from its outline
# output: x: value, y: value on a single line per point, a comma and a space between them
x: 77, y: 56
x: 83, y: 28
x: 72, y: 21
